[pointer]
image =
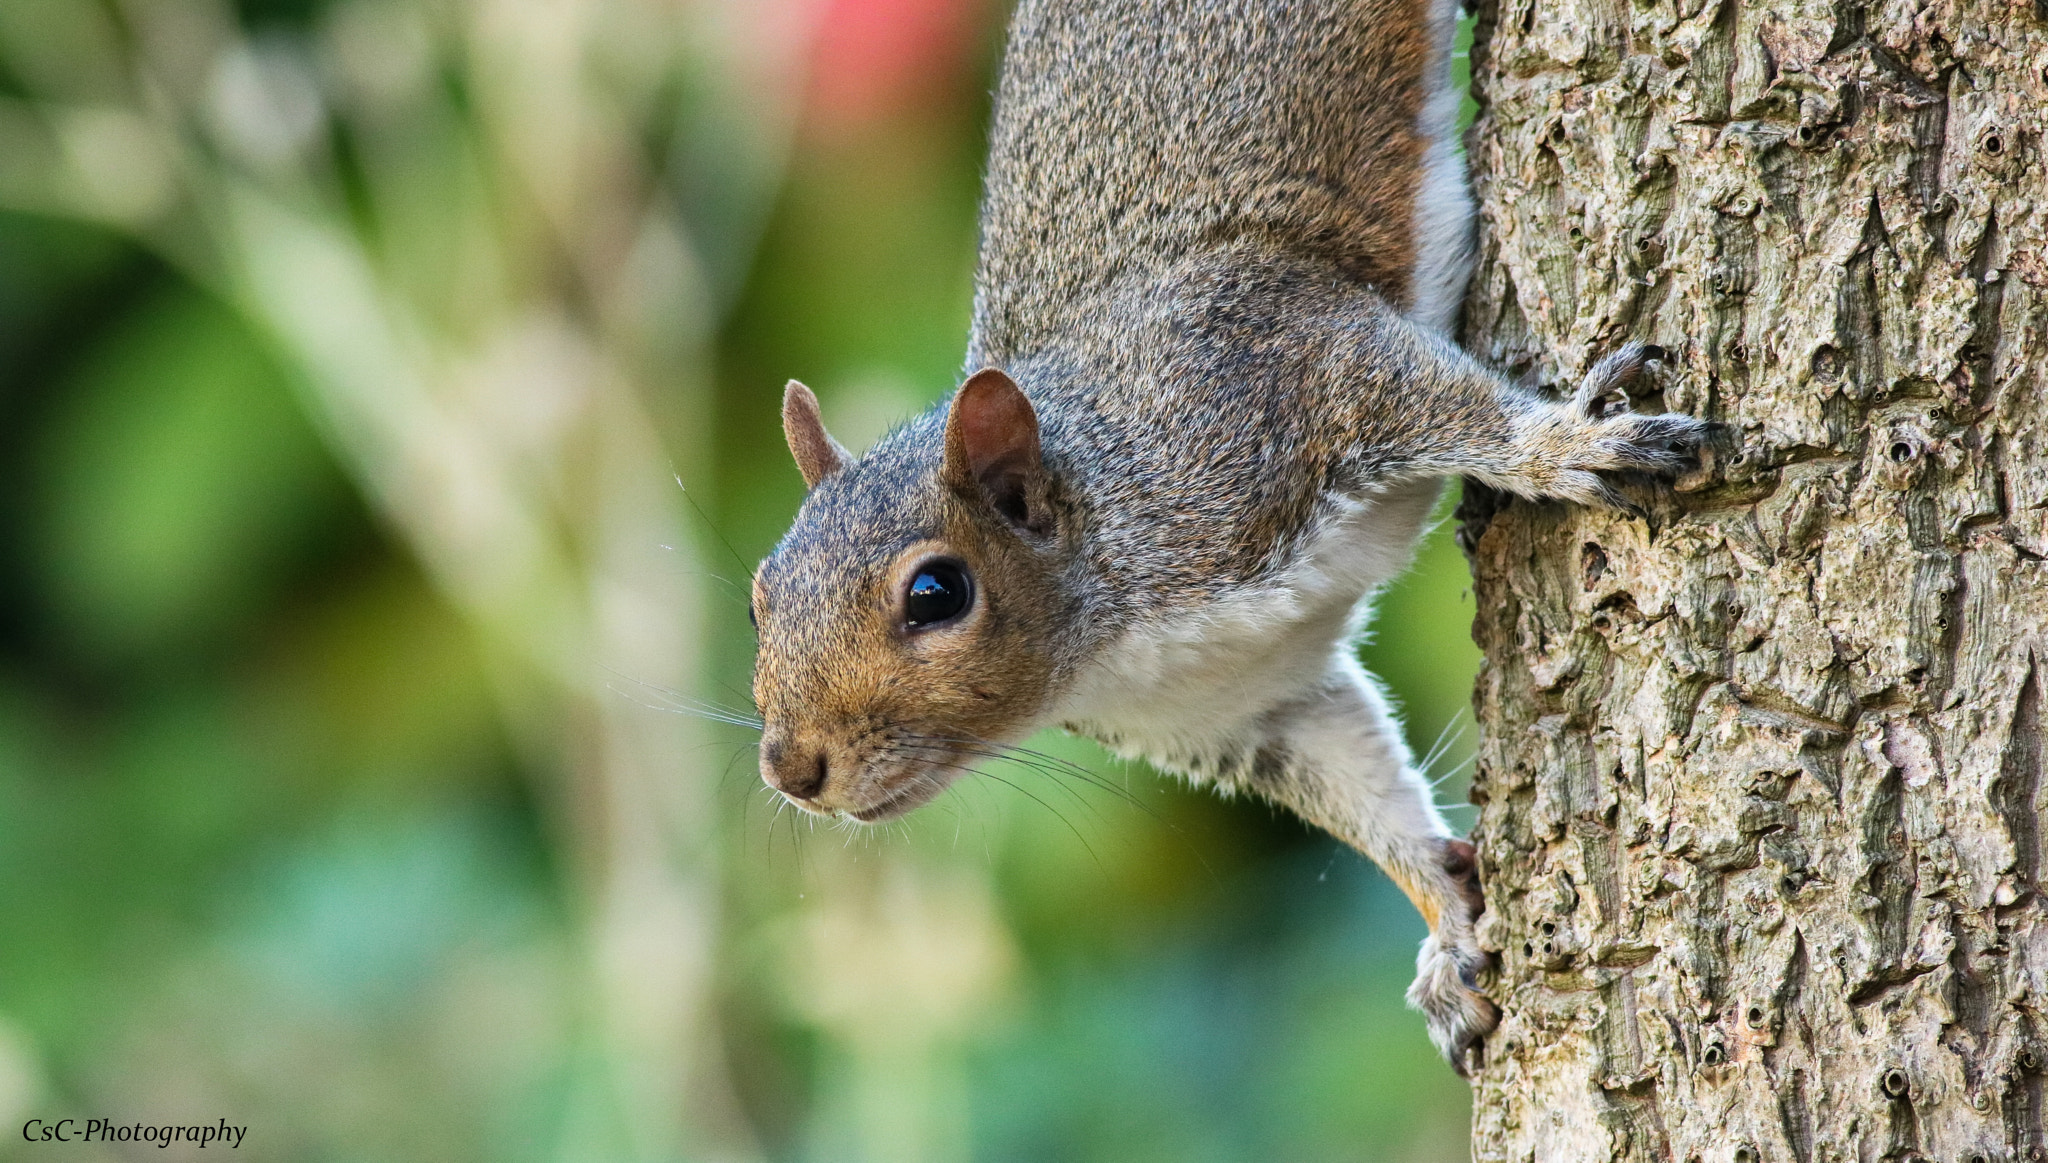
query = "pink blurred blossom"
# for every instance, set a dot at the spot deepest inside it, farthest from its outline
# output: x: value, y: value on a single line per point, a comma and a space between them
x: 874, y: 59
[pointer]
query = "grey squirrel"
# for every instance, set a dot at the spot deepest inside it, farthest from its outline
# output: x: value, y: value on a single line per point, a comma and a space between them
x: 1222, y: 246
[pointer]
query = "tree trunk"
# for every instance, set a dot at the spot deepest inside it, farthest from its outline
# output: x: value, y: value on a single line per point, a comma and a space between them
x: 1760, y: 780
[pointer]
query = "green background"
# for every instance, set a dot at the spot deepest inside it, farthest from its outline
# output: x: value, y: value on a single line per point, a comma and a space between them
x: 276, y: 844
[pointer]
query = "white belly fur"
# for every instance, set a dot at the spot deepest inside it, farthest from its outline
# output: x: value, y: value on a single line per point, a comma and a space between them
x: 1181, y: 684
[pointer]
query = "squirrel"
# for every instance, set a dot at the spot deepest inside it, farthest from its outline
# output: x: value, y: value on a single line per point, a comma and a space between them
x: 1222, y: 248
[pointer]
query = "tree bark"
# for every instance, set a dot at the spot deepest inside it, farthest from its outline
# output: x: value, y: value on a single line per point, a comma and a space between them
x: 1761, y: 770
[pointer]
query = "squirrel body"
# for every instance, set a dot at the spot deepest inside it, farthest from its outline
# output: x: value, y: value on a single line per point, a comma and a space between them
x: 1222, y: 245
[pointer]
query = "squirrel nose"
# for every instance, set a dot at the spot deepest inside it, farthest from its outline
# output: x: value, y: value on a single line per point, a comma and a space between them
x: 794, y: 773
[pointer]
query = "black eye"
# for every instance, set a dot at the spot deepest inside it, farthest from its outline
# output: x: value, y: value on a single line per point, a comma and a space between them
x: 939, y: 590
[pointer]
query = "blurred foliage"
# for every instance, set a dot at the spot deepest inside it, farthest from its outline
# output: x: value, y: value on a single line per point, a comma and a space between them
x: 176, y: 483
x: 299, y: 829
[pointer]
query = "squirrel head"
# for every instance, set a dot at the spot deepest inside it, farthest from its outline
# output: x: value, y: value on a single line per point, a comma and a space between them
x: 908, y: 622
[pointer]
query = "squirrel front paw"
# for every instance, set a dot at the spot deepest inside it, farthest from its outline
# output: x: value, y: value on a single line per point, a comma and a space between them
x: 1446, y: 988
x: 1569, y: 443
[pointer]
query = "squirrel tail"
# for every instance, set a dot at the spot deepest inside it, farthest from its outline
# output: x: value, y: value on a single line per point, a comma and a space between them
x: 1443, y: 200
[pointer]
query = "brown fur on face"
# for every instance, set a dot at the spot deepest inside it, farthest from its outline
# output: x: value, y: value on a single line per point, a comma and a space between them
x: 895, y: 712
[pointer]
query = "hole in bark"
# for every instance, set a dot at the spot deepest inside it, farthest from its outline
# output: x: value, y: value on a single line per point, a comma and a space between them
x: 1756, y: 1017
x: 2029, y: 1060
x: 1575, y: 234
x: 1549, y: 929
x: 1603, y: 622
x: 1808, y: 135
x: 1903, y: 451
x: 1528, y: 949
x: 1826, y: 362
x: 1643, y: 244
x: 1557, y: 132
x: 1994, y: 144
x: 1977, y: 1157
x: 1895, y: 1083
x: 1713, y: 1055
x: 1745, y: 1154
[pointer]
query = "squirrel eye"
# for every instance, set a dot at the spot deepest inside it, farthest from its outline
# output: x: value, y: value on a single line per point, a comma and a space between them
x: 939, y: 591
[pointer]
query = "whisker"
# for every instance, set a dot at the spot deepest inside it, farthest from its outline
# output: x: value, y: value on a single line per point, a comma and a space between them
x: 679, y: 696
x: 1436, y: 747
x: 775, y: 821
x: 1446, y: 739
x: 1051, y: 765
x: 1035, y: 760
x: 993, y: 755
x: 713, y: 526
x: 745, y: 696
x: 1452, y: 771
x: 1057, y: 814
x: 1026, y: 793
x: 746, y: 799
x: 734, y: 590
x: 1122, y: 792
x: 1460, y: 768
x: 671, y: 705
x: 675, y: 702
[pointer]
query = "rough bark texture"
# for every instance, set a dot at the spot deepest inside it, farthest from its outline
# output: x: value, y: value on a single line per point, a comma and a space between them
x: 1761, y: 776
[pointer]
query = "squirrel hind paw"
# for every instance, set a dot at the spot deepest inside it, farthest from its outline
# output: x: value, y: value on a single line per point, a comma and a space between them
x: 1613, y: 374
x: 1574, y: 449
x: 1568, y: 445
x: 1446, y: 991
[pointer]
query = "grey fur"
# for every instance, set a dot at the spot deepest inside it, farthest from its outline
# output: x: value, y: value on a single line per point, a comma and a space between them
x: 1198, y: 259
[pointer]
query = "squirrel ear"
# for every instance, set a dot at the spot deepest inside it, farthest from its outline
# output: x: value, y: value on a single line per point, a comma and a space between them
x: 817, y: 455
x: 992, y: 448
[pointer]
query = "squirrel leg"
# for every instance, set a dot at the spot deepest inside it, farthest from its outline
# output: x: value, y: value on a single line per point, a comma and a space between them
x: 1443, y: 413
x: 1336, y: 758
